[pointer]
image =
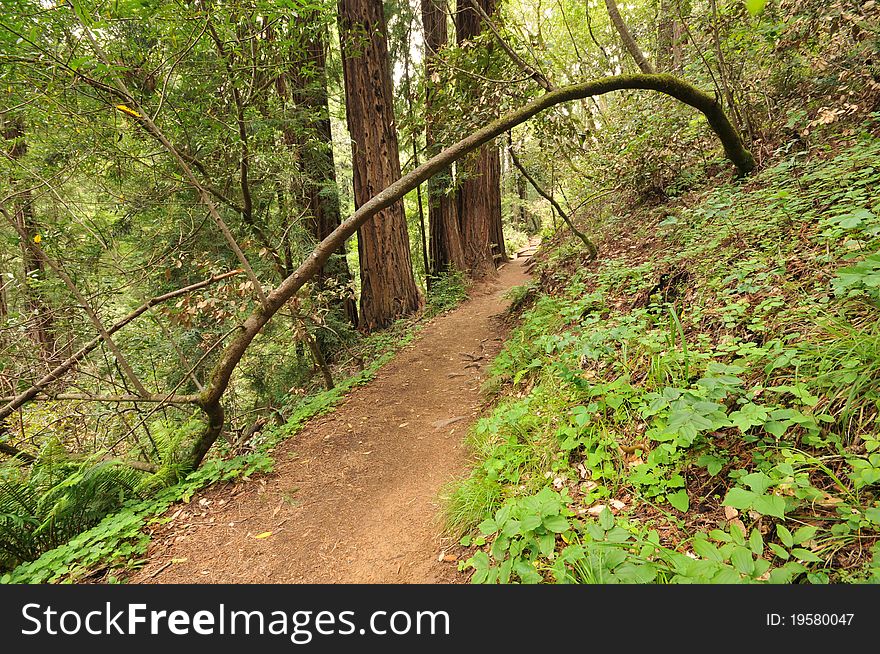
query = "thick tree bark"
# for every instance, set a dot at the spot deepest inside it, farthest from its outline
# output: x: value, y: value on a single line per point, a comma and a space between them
x: 309, y: 93
x: 626, y: 36
x: 493, y: 193
x: 445, y: 234
x: 479, y: 194
x: 388, y: 288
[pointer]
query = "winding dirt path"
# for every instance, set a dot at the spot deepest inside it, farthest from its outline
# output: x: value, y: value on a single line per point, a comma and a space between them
x: 353, y: 498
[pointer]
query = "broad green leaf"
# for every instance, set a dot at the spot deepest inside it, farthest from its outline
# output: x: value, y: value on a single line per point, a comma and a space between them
x: 706, y: 550
x: 606, y: 519
x: 679, y: 500
x: 630, y: 573
x: 726, y: 575
x: 511, y: 528
x: 784, y: 535
x: 749, y: 415
x: 547, y: 543
x: 737, y: 534
x: 777, y: 428
x: 873, y: 515
x: 739, y: 498
x: 480, y: 562
x: 805, y: 555
x: 770, y: 505
x: 756, y: 542
x: 617, y: 535
x: 713, y: 464
x: 487, y: 527
x: 742, y: 560
x: 781, y: 552
x: 527, y: 573
x: 530, y: 522
x: 556, y: 523
x: 803, y: 534
x: 755, y: 7
x: 757, y: 481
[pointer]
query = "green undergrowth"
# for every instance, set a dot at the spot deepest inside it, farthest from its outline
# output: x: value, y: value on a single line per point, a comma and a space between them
x: 701, y: 404
x: 118, y: 542
x: 446, y: 292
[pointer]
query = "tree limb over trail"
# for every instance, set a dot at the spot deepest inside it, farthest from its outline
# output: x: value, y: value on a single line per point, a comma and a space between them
x: 591, y: 247
x: 209, y: 400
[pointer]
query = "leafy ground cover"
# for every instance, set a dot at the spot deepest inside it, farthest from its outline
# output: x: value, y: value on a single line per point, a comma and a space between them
x: 701, y: 404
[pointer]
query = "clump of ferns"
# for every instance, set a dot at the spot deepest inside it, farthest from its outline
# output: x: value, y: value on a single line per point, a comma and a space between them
x: 57, y: 497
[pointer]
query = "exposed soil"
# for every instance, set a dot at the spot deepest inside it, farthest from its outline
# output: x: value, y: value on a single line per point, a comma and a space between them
x: 354, y: 496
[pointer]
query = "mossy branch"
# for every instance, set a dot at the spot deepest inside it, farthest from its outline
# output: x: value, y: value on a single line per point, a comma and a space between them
x: 669, y: 85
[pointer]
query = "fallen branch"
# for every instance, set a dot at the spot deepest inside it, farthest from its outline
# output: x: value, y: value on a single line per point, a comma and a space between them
x: 14, y: 452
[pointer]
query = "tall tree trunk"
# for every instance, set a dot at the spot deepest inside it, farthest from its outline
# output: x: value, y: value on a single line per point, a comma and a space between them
x: 493, y: 195
x: 41, y: 322
x: 388, y: 288
x: 669, y: 36
x: 626, y: 36
x: 445, y: 235
x: 309, y: 93
x: 479, y: 195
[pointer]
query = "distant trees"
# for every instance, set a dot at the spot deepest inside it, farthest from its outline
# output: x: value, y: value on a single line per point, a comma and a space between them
x: 305, y: 86
x: 40, y: 321
x: 445, y: 231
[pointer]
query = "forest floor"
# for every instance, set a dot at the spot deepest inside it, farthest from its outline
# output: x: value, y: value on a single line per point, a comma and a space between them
x: 354, y: 496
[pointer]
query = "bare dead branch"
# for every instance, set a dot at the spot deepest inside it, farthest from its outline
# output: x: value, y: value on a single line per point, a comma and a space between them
x: 591, y: 247
x: 64, y: 367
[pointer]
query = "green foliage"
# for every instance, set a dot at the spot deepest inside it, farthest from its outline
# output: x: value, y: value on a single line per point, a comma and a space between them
x: 56, y: 499
x: 447, y: 291
x: 747, y: 402
x: 118, y: 540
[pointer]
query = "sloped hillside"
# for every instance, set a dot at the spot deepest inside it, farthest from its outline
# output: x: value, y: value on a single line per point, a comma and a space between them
x: 699, y: 404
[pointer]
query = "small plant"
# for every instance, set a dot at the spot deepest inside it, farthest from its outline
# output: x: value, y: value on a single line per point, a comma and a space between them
x: 56, y: 499
x: 447, y: 291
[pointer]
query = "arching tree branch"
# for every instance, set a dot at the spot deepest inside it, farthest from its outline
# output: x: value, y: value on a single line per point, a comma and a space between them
x: 210, y: 399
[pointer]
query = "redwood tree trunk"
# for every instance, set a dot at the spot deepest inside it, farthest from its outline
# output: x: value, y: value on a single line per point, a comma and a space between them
x: 479, y: 196
x: 388, y: 288
x: 445, y: 235
x: 309, y: 93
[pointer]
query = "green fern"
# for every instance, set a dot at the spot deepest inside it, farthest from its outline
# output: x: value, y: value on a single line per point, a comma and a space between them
x: 56, y: 499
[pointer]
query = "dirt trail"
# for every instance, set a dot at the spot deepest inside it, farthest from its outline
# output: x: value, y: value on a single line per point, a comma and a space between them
x: 353, y: 498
